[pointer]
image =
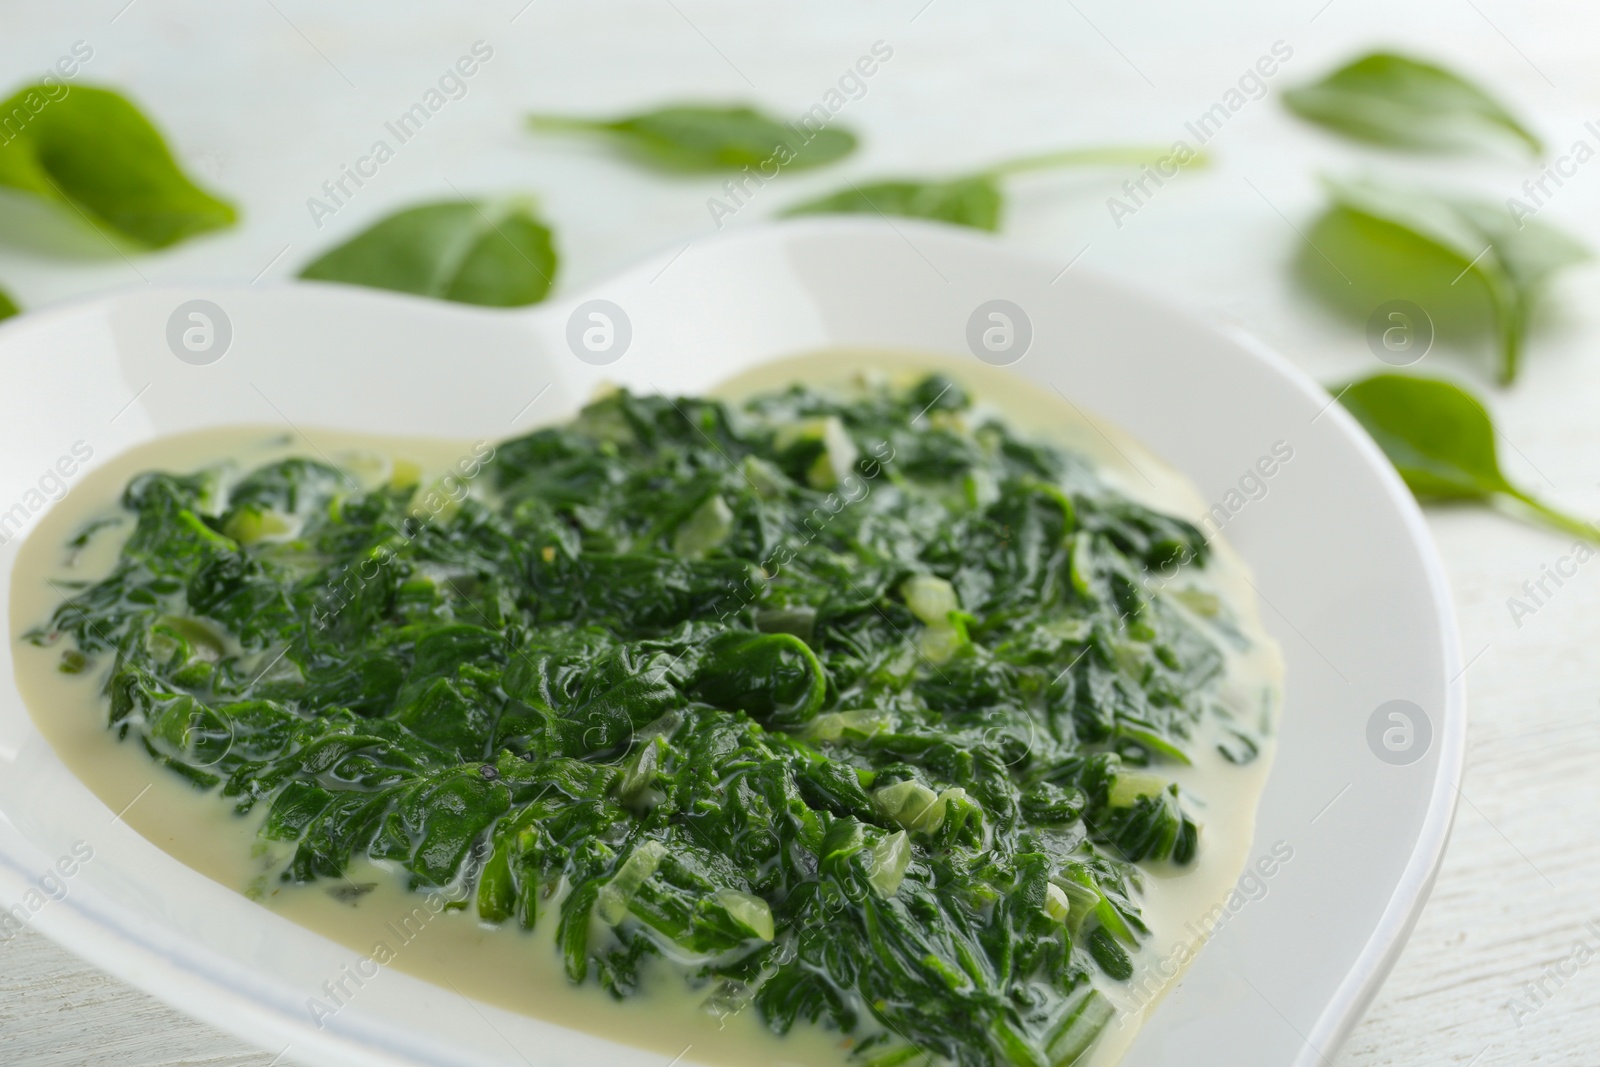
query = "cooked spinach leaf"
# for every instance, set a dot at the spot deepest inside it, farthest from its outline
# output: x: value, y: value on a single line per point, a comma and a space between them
x: 973, y: 200
x: 94, y: 152
x: 1468, y: 263
x: 1442, y: 441
x: 693, y: 137
x: 494, y: 253
x: 859, y: 705
x: 1407, y: 103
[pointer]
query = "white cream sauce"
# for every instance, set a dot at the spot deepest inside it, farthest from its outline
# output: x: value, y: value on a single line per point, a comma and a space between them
x: 368, y: 912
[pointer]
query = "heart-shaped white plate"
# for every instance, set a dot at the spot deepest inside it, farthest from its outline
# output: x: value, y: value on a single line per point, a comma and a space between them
x: 1348, y: 580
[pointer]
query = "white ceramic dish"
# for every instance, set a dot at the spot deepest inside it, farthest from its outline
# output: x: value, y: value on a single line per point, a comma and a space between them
x: 1350, y: 584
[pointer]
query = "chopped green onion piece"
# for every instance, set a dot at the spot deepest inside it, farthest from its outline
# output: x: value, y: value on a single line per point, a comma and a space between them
x: 1057, y: 904
x: 611, y: 906
x: 707, y: 527
x: 767, y: 480
x: 930, y: 599
x: 1127, y: 788
x: 887, y: 862
x: 832, y: 725
x: 748, y: 911
x: 250, y: 525
x: 1080, y: 1027
x: 915, y: 806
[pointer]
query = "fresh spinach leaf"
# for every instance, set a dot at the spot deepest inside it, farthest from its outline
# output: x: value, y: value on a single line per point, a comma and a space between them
x: 1465, y: 261
x: 973, y: 200
x: 1407, y: 103
x: 1442, y: 441
x: 8, y: 307
x: 94, y: 151
x: 690, y: 137
x: 494, y: 253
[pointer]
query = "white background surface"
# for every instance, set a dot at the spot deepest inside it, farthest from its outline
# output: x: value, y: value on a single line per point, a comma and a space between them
x: 265, y: 99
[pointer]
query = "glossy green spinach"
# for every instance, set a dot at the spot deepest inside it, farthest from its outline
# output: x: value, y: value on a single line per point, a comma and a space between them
x: 857, y: 706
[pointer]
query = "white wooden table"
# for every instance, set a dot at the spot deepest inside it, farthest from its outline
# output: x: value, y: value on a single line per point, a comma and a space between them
x: 267, y: 98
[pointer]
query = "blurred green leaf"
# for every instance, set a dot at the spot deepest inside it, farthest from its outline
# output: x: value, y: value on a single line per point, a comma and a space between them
x: 1467, y: 262
x: 1354, y: 263
x: 690, y: 137
x: 8, y: 307
x: 1442, y: 441
x: 93, y: 150
x: 1406, y: 103
x: 973, y: 200
x: 493, y: 253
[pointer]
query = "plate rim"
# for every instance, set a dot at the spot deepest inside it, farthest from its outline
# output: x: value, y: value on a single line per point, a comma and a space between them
x: 1388, y: 939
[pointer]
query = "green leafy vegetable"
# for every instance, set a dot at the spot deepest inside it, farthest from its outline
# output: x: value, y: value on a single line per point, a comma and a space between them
x: 1442, y: 441
x: 93, y: 150
x: 679, y: 730
x: 700, y: 138
x: 1464, y: 261
x: 8, y: 307
x: 494, y: 253
x: 974, y: 199
x: 1401, y: 102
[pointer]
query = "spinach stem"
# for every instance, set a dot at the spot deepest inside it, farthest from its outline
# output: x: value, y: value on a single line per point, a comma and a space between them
x: 1558, y: 519
x: 1511, y: 325
x: 561, y: 122
x: 1101, y: 156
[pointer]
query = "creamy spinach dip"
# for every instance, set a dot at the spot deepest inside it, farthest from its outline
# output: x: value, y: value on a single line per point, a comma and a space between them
x: 854, y: 711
